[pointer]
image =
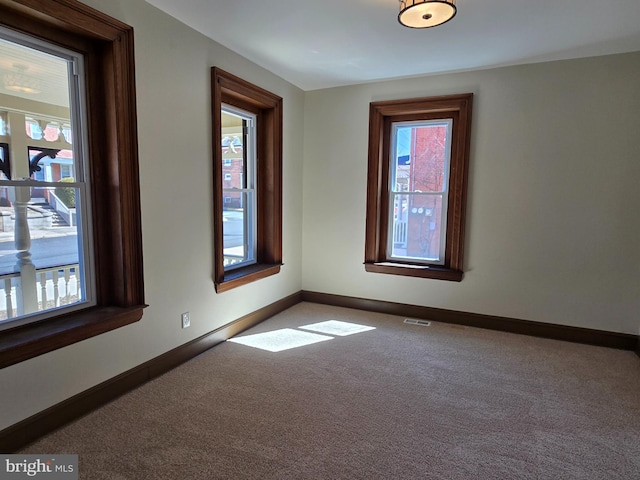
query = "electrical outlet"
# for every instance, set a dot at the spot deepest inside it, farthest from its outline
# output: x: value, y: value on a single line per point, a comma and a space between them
x: 186, y: 321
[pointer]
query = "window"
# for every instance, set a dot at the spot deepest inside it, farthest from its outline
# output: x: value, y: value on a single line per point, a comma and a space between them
x: 95, y: 151
x: 416, y: 193
x: 247, y: 205
x: 65, y: 171
x: 239, y: 216
x: 51, y: 271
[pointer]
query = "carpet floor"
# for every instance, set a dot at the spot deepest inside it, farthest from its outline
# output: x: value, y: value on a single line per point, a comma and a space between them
x: 397, y: 401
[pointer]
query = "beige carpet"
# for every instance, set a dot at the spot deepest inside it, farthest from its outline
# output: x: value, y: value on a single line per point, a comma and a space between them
x: 398, y: 402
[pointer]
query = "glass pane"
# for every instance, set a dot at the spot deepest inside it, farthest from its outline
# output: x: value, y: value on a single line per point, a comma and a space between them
x: 236, y: 228
x: 402, y: 160
x: 51, y: 130
x: 430, y: 158
x: 51, y: 165
x: 421, y: 157
x: 420, y: 160
x: 33, y: 74
x: 238, y: 219
x: 234, y: 173
x: 418, y: 227
x: 40, y: 245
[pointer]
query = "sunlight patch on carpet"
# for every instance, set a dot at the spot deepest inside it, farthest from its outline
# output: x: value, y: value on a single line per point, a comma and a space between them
x: 336, y: 327
x: 279, y: 340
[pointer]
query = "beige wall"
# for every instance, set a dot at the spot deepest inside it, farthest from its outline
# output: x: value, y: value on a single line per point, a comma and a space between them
x: 553, y: 202
x: 553, y: 214
x: 174, y: 121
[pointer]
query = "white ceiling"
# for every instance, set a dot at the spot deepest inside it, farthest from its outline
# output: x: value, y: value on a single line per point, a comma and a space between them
x: 45, y: 74
x: 326, y: 43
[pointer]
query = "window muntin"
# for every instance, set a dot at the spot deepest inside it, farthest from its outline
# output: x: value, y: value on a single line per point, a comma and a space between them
x: 44, y: 270
x: 239, y: 220
x: 418, y: 191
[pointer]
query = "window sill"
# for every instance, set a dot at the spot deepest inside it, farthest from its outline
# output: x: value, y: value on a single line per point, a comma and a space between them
x: 245, y: 275
x: 412, y: 270
x: 28, y: 341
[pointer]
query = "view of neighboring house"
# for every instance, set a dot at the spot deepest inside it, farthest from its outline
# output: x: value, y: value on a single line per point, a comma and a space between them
x: 53, y: 164
x: 51, y: 169
x: 421, y: 178
x: 232, y: 168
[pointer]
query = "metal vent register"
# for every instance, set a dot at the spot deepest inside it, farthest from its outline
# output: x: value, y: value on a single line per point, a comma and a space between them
x: 413, y: 321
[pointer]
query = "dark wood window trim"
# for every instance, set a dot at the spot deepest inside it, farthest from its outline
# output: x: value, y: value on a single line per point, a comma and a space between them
x: 381, y: 117
x: 231, y: 90
x: 107, y: 45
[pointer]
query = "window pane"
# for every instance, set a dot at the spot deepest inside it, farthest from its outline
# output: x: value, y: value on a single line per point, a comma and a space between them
x: 418, y: 228
x: 234, y: 159
x: 237, y: 229
x: 40, y: 268
x: 44, y: 247
x: 238, y: 219
x: 419, y: 182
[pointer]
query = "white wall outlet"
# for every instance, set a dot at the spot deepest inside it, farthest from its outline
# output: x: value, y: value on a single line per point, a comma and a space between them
x: 186, y: 321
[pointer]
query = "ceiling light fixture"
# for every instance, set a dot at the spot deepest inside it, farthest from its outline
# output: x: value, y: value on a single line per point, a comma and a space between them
x: 21, y: 82
x: 426, y: 13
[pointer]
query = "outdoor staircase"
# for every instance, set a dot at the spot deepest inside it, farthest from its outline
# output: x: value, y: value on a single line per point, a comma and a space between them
x: 56, y: 219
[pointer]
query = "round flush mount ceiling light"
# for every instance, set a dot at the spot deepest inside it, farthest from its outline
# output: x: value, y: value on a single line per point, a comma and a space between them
x: 426, y: 13
x: 19, y: 81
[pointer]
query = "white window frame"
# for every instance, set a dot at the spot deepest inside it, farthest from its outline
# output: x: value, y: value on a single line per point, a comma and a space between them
x: 393, y: 191
x: 78, y: 118
x: 249, y: 190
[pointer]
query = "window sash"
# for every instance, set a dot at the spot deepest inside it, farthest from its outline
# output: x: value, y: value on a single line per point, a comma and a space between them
x: 79, y: 141
x: 248, y: 196
x: 416, y: 224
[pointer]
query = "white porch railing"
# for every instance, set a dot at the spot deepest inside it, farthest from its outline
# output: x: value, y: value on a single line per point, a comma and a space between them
x: 229, y: 260
x: 400, y: 234
x: 55, y: 286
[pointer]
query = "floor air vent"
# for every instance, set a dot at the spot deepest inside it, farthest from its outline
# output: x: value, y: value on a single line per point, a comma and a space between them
x: 413, y: 321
